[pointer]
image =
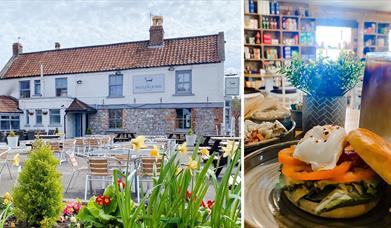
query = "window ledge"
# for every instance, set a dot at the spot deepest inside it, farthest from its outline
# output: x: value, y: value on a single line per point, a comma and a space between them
x: 115, y: 97
x: 115, y: 129
x: 55, y: 125
x: 27, y: 125
x: 38, y: 125
x: 183, y: 94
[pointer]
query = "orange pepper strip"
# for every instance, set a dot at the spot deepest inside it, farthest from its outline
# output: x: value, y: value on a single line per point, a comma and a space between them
x: 305, y: 172
x: 285, y: 156
x: 355, y: 175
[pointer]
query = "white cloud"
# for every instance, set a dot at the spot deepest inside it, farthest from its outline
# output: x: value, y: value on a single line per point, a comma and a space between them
x: 82, y: 23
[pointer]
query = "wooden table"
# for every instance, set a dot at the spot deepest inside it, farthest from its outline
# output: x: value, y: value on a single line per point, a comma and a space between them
x: 221, y: 138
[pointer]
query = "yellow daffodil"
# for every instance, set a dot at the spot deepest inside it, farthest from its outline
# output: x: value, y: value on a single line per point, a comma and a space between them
x: 138, y: 142
x: 192, y: 164
x: 7, y: 198
x: 154, y: 152
x: 230, y: 149
x: 204, y: 152
x: 178, y: 171
x: 16, y: 160
x: 182, y: 148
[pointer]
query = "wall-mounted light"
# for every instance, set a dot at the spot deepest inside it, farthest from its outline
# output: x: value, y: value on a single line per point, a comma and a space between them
x: 171, y: 68
x: 79, y: 82
x: 118, y: 73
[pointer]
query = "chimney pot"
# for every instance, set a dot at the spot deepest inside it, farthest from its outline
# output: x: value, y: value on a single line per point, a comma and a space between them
x: 17, y: 49
x: 57, y: 45
x: 156, y: 31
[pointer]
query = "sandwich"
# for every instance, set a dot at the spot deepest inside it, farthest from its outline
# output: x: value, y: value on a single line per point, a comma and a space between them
x: 332, y: 174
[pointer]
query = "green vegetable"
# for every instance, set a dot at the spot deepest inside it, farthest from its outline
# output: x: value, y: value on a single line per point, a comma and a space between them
x: 331, y: 195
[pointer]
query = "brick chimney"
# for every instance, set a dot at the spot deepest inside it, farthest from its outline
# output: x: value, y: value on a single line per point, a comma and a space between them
x: 156, y: 32
x: 57, y: 45
x: 17, y: 49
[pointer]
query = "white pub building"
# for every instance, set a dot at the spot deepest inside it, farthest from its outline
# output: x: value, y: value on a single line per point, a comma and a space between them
x: 156, y: 86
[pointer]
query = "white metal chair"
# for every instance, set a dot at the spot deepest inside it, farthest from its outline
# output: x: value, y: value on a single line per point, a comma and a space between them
x: 145, y: 172
x: 98, y: 171
x: 72, y: 159
x: 80, y: 146
x: 3, y: 159
x: 56, y: 147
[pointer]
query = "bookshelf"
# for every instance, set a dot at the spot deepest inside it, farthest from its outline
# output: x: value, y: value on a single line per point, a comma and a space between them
x: 272, y: 36
x: 375, y: 36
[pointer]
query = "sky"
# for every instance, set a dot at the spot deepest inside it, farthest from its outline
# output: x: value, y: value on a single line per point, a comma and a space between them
x: 39, y: 24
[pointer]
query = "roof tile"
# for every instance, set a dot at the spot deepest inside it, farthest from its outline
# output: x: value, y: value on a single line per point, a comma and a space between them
x: 131, y: 55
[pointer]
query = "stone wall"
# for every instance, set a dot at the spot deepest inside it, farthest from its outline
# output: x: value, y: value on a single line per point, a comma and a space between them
x: 205, y: 120
x: 159, y: 121
x: 99, y: 122
x: 149, y: 121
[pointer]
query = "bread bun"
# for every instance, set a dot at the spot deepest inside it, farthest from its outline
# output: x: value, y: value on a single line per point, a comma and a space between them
x: 374, y: 150
x: 342, y: 212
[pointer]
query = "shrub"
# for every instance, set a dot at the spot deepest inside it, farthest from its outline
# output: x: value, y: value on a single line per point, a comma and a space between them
x: 324, y: 77
x: 12, y: 134
x: 38, y: 191
x: 190, y: 132
x: 89, y: 131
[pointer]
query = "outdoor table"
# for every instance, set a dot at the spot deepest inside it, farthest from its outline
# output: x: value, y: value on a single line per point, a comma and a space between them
x: 221, y: 138
x: 47, y: 136
x: 124, y: 136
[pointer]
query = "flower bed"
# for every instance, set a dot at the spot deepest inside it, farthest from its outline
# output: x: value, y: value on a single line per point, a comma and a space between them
x: 176, y: 199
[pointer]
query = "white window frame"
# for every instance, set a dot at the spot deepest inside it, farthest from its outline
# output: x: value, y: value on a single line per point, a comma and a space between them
x: 21, y: 91
x: 62, y: 93
x: 112, y: 86
x: 178, y: 74
x: 52, y: 115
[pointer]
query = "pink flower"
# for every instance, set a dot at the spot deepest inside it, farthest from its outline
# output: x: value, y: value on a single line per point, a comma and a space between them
x: 68, y: 210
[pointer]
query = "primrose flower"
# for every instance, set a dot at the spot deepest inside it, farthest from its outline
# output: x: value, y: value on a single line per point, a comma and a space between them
x: 138, y: 142
x: 7, y: 198
x: 154, y: 152
x: 106, y: 200
x: 99, y: 200
x: 16, y: 160
x: 230, y: 149
x: 69, y: 210
x: 182, y: 148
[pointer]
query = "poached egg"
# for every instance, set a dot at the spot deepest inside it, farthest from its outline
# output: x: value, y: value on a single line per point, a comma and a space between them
x: 321, y: 147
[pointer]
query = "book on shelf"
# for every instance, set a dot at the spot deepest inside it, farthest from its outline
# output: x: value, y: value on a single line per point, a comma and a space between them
x: 263, y: 7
